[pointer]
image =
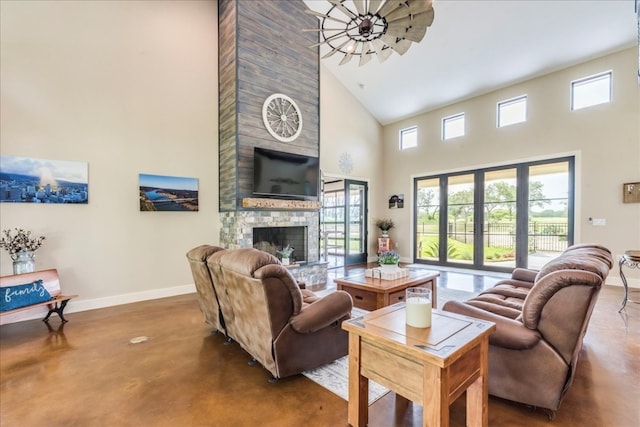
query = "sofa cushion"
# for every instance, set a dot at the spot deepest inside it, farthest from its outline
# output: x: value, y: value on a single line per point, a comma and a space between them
x: 583, y: 257
x: 505, y: 298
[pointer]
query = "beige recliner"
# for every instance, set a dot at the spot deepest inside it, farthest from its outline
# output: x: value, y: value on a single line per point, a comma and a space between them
x: 541, y: 319
x: 286, y: 329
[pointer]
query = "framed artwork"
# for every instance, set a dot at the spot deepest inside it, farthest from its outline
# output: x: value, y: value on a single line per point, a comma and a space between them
x: 32, y: 180
x: 396, y: 201
x: 168, y: 193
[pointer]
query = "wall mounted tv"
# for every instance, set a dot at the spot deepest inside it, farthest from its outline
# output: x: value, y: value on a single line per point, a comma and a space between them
x: 285, y: 175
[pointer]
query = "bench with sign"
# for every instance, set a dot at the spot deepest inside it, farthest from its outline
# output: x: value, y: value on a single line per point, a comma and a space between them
x: 22, y: 292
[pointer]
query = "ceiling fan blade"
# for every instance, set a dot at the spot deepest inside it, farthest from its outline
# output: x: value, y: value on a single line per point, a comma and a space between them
x: 399, y: 45
x: 384, y: 54
x: 388, y: 6
x: 338, y: 4
x: 365, y: 54
x: 315, y: 30
x: 381, y: 52
x: 347, y: 58
x: 328, y: 39
x: 373, y: 6
x: 412, y: 27
x: 359, y: 4
x: 322, y: 15
x: 396, y: 9
x: 336, y: 49
x: 365, y: 58
x: 415, y: 34
x: 425, y: 18
x: 402, y: 46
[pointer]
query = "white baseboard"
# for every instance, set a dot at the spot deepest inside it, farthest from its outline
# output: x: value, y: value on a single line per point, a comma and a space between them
x: 78, y: 304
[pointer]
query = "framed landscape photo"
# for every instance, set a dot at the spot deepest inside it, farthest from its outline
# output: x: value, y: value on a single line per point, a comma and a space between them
x: 32, y: 180
x: 168, y: 193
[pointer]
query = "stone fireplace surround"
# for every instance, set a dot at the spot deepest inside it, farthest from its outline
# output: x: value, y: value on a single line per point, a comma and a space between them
x: 237, y: 232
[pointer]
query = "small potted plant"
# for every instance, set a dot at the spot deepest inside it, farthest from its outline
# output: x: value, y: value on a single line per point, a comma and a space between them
x: 22, y: 248
x: 286, y: 253
x: 385, y: 225
x: 388, y: 261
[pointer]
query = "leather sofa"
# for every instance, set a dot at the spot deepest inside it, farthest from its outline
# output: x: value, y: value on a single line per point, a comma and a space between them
x: 286, y: 329
x: 541, y: 318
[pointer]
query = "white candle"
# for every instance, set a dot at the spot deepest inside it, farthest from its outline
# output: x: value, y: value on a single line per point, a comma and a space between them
x: 419, y: 312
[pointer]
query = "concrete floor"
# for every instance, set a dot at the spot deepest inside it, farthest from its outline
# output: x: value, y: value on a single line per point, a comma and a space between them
x: 88, y: 373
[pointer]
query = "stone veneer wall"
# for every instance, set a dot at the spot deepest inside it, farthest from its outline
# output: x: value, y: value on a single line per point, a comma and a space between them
x: 262, y: 50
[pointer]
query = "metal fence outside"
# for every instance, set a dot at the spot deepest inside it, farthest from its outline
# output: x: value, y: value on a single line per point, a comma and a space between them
x: 542, y: 236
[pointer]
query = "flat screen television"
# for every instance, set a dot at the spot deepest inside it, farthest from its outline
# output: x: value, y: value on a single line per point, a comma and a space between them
x: 286, y: 175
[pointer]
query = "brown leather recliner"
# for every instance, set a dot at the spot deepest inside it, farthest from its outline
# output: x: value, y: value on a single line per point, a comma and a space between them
x: 541, y: 319
x: 286, y: 329
x: 208, y: 299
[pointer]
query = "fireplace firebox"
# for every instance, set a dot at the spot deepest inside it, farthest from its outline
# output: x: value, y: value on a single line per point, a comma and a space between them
x: 274, y: 239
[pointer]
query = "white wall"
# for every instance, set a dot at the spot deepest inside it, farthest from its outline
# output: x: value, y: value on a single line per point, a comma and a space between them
x: 128, y: 87
x: 347, y: 128
x: 604, y: 138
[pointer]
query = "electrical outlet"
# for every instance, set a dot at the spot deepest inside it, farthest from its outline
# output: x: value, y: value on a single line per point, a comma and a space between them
x: 599, y: 221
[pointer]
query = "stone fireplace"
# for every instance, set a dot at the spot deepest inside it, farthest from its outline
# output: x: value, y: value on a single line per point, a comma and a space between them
x: 237, y: 231
x: 256, y: 59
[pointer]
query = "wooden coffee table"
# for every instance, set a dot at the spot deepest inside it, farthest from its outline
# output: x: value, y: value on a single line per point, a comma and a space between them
x: 430, y: 366
x: 371, y: 293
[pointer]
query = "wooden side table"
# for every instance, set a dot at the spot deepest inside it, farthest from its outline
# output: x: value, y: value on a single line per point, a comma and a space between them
x: 632, y: 260
x: 430, y: 366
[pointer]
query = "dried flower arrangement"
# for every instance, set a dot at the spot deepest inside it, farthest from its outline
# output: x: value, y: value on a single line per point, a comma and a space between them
x: 21, y: 242
x: 385, y: 224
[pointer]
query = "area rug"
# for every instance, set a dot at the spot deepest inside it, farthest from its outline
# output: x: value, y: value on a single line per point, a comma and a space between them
x: 335, y: 376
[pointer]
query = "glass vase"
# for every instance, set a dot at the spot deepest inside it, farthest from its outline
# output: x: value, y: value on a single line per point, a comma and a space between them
x: 24, y: 262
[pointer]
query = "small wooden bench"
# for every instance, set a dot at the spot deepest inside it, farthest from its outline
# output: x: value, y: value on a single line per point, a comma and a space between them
x: 50, y: 281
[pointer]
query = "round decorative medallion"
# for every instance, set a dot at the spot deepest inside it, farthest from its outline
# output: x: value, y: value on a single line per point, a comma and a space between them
x: 282, y: 117
x: 346, y: 163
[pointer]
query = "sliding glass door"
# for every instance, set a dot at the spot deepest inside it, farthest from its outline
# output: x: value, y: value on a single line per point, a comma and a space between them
x: 500, y: 210
x: 495, y: 218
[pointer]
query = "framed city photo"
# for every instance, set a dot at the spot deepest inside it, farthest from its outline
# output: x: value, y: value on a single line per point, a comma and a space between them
x: 168, y: 193
x: 32, y: 180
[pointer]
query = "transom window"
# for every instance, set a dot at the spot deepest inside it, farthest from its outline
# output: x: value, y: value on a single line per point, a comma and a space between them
x: 512, y: 111
x: 408, y: 138
x: 453, y: 126
x: 591, y: 91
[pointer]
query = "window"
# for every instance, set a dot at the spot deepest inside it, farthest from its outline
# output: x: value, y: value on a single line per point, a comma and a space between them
x: 453, y: 126
x: 512, y: 111
x: 591, y: 91
x: 408, y: 138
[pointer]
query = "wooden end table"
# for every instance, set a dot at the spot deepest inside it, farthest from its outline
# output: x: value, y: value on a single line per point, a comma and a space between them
x: 371, y: 293
x: 430, y: 366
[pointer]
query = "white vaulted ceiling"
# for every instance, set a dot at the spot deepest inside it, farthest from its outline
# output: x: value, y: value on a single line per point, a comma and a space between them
x: 476, y: 46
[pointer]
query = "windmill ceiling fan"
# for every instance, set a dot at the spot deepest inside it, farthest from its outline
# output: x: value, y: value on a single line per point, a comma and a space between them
x: 366, y: 28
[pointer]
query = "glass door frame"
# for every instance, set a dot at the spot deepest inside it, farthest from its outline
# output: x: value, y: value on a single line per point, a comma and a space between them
x: 356, y: 257
x: 342, y: 250
x: 522, y: 214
